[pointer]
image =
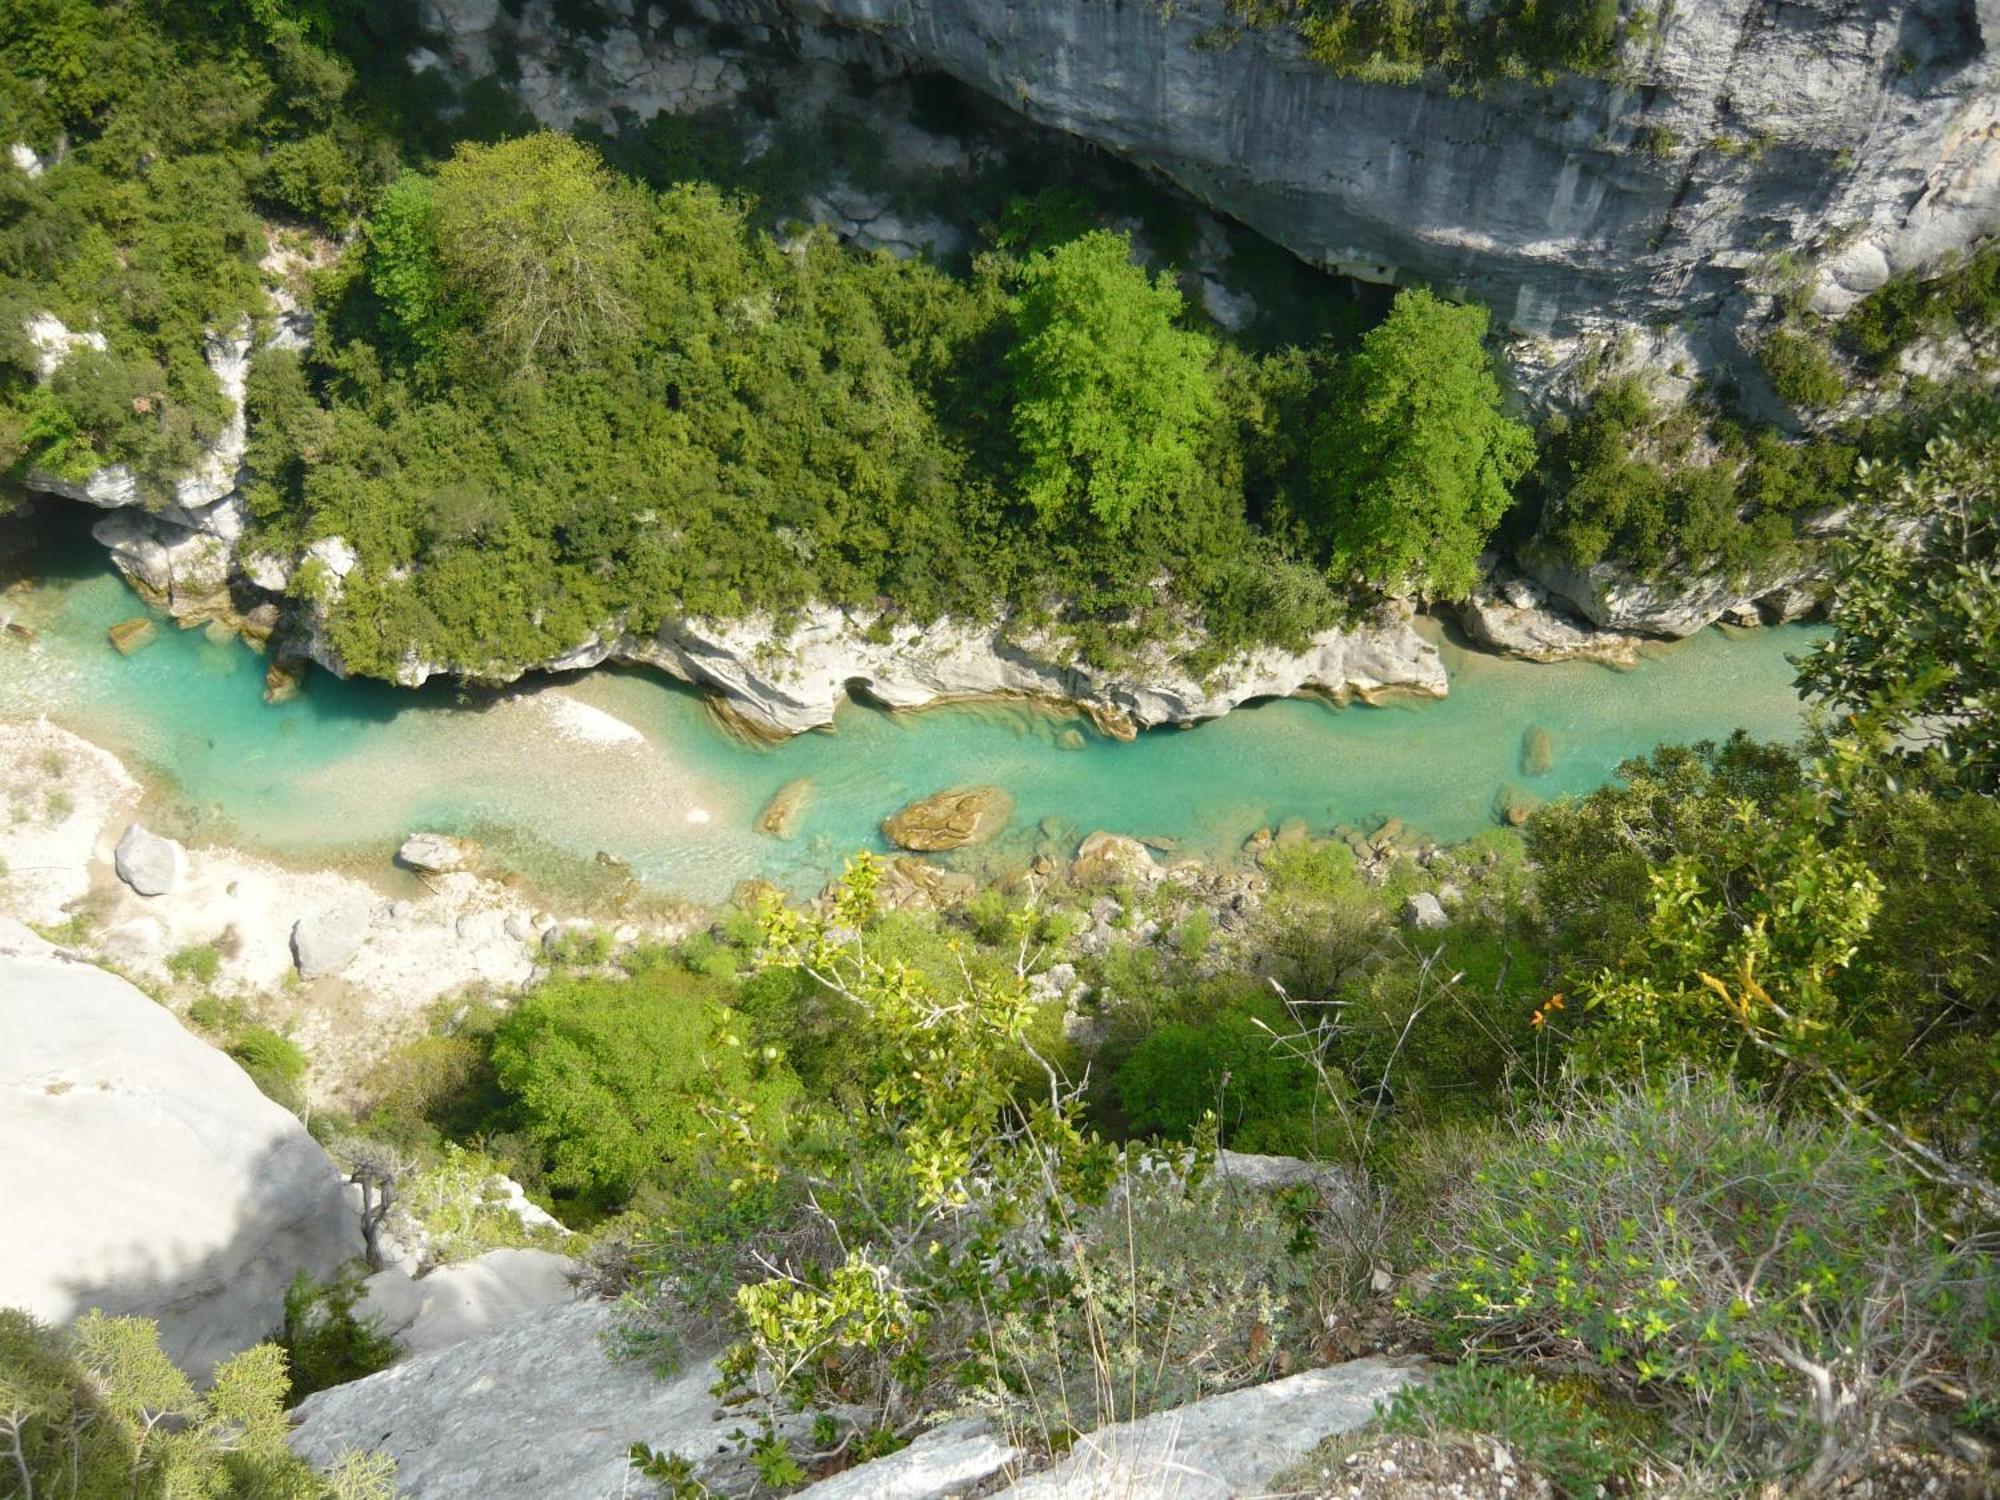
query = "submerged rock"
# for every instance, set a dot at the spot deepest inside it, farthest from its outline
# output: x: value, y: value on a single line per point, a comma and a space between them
x: 786, y: 809
x: 145, y: 1172
x: 150, y: 864
x: 1538, y: 751
x: 950, y: 819
x: 134, y: 635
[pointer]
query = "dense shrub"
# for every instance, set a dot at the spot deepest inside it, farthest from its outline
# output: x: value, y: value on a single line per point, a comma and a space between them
x: 1396, y: 41
x: 1743, y: 1271
x: 1801, y: 368
x: 613, y: 1079
x: 1897, y: 314
x: 1553, y: 1434
x: 1238, y: 1067
x: 325, y: 1344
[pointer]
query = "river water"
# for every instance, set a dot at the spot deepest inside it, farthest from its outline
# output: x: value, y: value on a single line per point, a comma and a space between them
x: 630, y: 764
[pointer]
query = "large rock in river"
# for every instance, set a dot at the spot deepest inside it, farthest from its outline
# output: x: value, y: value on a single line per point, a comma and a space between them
x: 145, y: 1172
x: 950, y: 819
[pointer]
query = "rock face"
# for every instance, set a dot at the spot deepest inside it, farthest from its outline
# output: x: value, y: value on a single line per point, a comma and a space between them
x: 950, y: 819
x: 465, y: 1300
x: 1515, y: 615
x: 535, y: 1410
x: 1615, y: 598
x: 151, y: 865
x: 326, y: 942
x: 145, y: 1172
x: 779, y: 683
x: 1864, y: 128
x: 1221, y: 1448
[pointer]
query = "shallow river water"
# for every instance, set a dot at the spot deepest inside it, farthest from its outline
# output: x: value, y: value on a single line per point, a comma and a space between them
x: 631, y: 764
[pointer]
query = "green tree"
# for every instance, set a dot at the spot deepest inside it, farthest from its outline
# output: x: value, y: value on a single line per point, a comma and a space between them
x: 542, y: 239
x: 1415, y: 458
x: 1913, y: 665
x: 1109, y: 396
x: 614, y: 1078
x: 404, y: 270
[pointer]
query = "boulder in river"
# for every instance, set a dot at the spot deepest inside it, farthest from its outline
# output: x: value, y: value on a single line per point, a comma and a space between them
x: 1538, y: 751
x: 150, y: 864
x: 1515, y: 805
x: 133, y: 635
x: 1113, y: 859
x: 439, y: 853
x: 326, y: 942
x: 786, y: 809
x: 950, y: 819
x: 146, y: 1173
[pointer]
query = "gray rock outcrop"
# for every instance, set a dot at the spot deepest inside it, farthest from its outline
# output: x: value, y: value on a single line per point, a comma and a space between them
x: 1221, y: 1448
x: 466, y: 1299
x: 1113, y: 859
x: 534, y: 1410
x: 1425, y: 913
x: 1615, y: 598
x: 150, y: 864
x: 1866, y: 130
x: 1515, y: 615
x: 326, y: 941
x: 145, y: 1172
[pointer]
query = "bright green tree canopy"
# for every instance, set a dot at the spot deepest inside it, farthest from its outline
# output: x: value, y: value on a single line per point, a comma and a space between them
x: 1109, y: 396
x: 543, y: 239
x: 1415, y: 458
x: 611, y: 1076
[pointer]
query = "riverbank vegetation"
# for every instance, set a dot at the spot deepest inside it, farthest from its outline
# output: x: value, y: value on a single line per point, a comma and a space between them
x: 557, y: 384
x: 1663, y: 1123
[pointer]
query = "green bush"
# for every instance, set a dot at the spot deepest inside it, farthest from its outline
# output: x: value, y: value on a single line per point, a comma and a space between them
x: 1238, y: 1067
x: 1742, y: 1270
x: 274, y: 1062
x: 98, y: 1410
x: 616, y: 1079
x: 199, y: 963
x: 325, y: 1344
x: 1802, y: 369
x: 1552, y: 1434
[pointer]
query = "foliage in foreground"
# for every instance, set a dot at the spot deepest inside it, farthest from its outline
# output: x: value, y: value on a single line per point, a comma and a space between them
x: 98, y: 1412
x: 1772, y: 1283
x: 1913, y: 664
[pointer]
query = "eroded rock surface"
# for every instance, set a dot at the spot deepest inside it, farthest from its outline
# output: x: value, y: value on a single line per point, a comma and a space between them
x: 145, y: 1172
x: 950, y: 819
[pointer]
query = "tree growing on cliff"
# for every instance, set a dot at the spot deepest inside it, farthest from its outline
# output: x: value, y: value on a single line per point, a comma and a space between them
x: 1413, y: 462
x: 1913, y: 665
x: 540, y: 237
x: 1109, y: 396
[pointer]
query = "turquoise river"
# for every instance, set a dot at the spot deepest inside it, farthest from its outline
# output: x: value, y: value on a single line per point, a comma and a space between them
x: 632, y: 765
